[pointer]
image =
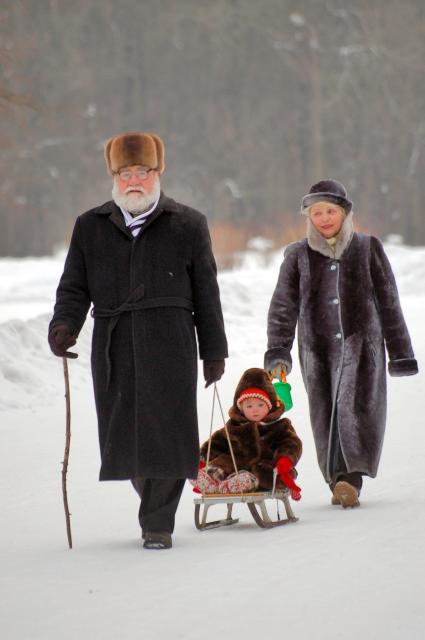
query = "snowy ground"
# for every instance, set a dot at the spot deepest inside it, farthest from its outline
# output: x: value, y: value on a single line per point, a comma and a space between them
x: 335, y: 574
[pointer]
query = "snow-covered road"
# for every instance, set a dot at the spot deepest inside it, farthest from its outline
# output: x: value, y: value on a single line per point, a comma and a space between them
x: 335, y: 574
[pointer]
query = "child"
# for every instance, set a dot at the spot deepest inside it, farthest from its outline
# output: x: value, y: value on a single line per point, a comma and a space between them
x: 338, y: 286
x: 261, y: 441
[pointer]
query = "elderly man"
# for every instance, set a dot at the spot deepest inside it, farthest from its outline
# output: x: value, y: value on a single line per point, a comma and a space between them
x: 146, y: 264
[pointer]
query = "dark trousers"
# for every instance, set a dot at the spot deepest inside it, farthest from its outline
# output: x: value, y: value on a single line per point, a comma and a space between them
x: 338, y: 467
x: 355, y: 479
x: 160, y: 498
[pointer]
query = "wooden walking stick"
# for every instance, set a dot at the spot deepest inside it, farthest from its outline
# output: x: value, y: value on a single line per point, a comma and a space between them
x: 66, y: 454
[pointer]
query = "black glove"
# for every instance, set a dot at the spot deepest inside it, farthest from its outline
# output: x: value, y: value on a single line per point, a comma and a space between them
x: 213, y: 370
x: 60, y: 339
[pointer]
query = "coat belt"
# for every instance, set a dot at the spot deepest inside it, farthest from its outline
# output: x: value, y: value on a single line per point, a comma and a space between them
x: 128, y: 306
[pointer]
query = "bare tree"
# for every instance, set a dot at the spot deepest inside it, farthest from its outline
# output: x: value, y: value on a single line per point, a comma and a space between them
x: 255, y: 102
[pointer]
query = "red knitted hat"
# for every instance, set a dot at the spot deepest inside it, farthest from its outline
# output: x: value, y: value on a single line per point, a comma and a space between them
x: 253, y: 392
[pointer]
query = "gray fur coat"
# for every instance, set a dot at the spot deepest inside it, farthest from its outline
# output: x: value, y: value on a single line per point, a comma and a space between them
x: 346, y: 304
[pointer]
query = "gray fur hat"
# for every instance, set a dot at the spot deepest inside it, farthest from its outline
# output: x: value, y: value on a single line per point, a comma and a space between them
x: 327, y: 191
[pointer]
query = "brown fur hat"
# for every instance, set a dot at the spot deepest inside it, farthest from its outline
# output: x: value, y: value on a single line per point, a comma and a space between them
x: 127, y: 149
x: 259, y: 379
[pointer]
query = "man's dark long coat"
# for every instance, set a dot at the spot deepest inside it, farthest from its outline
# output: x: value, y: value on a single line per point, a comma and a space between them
x: 149, y: 293
x: 347, y: 310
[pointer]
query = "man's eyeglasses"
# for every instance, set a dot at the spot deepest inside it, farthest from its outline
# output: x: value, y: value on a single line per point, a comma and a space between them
x: 126, y: 175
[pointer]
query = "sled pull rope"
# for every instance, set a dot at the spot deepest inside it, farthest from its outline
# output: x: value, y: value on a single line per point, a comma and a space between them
x: 273, y: 492
x: 274, y: 481
x: 211, y: 425
x: 226, y: 430
x: 215, y: 394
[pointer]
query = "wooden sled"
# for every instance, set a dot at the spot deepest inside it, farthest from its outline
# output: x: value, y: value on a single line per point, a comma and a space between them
x: 255, y: 503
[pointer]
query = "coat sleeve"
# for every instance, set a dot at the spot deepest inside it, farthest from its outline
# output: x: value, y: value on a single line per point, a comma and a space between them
x: 283, y: 313
x: 287, y: 443
x: 72, y: 295
x: 397, y: 340
x: 220, y: 453
x: 208, y: 315
x: 219, y: 445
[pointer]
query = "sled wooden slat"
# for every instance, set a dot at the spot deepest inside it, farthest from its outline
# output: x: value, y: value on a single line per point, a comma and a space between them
x: 255, y: 503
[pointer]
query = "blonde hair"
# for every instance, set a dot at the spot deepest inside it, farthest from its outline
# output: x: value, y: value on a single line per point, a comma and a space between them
x: 307, y: 210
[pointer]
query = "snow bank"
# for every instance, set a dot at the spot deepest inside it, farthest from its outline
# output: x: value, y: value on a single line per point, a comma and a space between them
x: 29, y: 374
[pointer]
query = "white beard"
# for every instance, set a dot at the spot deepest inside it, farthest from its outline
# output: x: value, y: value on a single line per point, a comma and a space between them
x: 136, y: 203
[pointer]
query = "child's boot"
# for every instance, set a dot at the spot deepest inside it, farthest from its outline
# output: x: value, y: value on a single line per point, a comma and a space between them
x: 242, y: 482
x: 205, y: 482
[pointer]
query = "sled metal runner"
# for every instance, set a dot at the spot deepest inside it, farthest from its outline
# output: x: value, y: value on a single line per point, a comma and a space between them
x: 255, y: 503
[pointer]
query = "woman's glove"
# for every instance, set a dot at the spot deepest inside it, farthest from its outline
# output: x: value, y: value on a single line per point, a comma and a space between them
x: 284, y: 466
x: 277, y: 370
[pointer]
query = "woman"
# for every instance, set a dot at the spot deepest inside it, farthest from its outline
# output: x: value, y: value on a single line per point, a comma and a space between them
x: 339, y: 287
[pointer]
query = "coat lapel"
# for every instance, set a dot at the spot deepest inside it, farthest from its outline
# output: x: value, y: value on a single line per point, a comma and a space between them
x: 161, y: 206
x: 117, y: 219
x: 115, y: 216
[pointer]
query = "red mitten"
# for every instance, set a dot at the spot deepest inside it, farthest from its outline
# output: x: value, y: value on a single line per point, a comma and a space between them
x: 296, y: 493
x: 284, y: 466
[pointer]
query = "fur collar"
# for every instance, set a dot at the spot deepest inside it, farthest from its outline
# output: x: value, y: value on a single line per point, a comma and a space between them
x: 318, y: 243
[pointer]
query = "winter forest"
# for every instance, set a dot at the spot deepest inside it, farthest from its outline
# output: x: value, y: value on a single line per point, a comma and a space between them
x: 255, y: 100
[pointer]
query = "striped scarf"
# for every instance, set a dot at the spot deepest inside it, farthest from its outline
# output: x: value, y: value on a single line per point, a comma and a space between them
x: 136, y: 223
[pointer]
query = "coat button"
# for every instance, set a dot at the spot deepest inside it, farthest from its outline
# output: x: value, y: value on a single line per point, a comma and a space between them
x: 338, y: 336
x: 333, y: 267
x: 335, y: 301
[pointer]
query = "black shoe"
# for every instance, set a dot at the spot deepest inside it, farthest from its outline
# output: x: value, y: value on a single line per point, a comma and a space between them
x: 157, y: 540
